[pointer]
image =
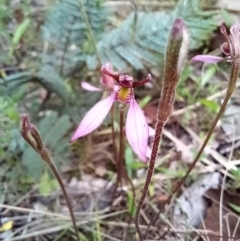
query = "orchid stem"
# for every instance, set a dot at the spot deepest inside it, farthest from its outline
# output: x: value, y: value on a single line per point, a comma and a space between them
x: 113, y: 134
x: 120, y: 162
x: 33, y: 137
x: 235, y: 68
x: 175, y: 54
x: 121, y: 143
x: 59, y: 179
x: 234, y: 73
x: 157, y: 138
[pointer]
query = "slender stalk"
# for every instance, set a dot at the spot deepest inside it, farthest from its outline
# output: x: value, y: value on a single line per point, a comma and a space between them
x: 157, y: 137
x: 234, y: 73
x: 175, y: 54
x: 231, y: 87
x: 121, y: 143
x: 113, y: 134
x: 59, y: 179
x: 33, y: 137
x: 210, y: 131
x: 120, y: 159
x: 82, y: 8
x: 132, y: 204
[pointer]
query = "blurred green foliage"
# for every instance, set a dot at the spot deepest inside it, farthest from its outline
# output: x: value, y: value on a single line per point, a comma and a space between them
x: 47, y: 50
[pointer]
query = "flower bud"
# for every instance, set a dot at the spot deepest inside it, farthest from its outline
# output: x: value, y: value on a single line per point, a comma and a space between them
x: 176, y: 52
x: 177, y: 49
x: 31, y: 134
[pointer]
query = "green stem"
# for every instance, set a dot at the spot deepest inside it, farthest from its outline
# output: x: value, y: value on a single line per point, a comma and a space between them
x: 82, y: 8
x: 235, y: 68
x: 230, y: 90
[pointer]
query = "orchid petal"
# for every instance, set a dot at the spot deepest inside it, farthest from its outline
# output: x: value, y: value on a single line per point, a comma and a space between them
x: 235, y: 39
x: 89, y: 87
x: 151, y: 131
x: 207, y: 58
x: 94, y: 117
x: 137, y: 130
x: 106, y: 79
x: 234, y: 30
x: 149, y: 152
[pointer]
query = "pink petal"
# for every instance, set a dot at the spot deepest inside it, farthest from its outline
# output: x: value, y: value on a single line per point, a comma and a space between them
x: 137, y: 130
x: 149, y: 152
x: 207, y: 58
x: 94, y: 117
x: 89, y: 87
x: 234, y: 29
x: 151, y: 131
x: 235, y: 38
x: 106, y: 79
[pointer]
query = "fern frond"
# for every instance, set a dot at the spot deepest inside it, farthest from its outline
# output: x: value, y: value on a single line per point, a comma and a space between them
x: 136, y: 45
x: 66, y: 32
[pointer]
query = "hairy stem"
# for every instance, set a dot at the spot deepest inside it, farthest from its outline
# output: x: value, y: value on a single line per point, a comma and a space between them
x: 174, y: 59
x: 157, y: 137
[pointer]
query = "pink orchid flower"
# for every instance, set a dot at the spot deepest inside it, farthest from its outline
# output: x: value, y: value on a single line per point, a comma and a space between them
x: 230, y: 48
x: 136, y: 124
x: 106, y: 81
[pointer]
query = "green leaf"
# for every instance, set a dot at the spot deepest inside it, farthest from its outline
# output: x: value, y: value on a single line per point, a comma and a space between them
x: 129, y: 160
x: 210, y: 104
x: 123, y: 45
x: 47, y: 185
x: 227, y: 18
x: 171, y: 173
x: 235, y: 207
x: 143, y: 102
x: 20, y: 31
x: 236, y: 173
x: 151, y: 190
x: 208, y: 74
x: 131, y: 204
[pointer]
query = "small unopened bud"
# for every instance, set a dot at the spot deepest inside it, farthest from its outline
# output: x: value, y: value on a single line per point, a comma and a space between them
x: 176, y: 52
x: 31, y: 134
x: 182, y: 31
x: 177, y: 48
